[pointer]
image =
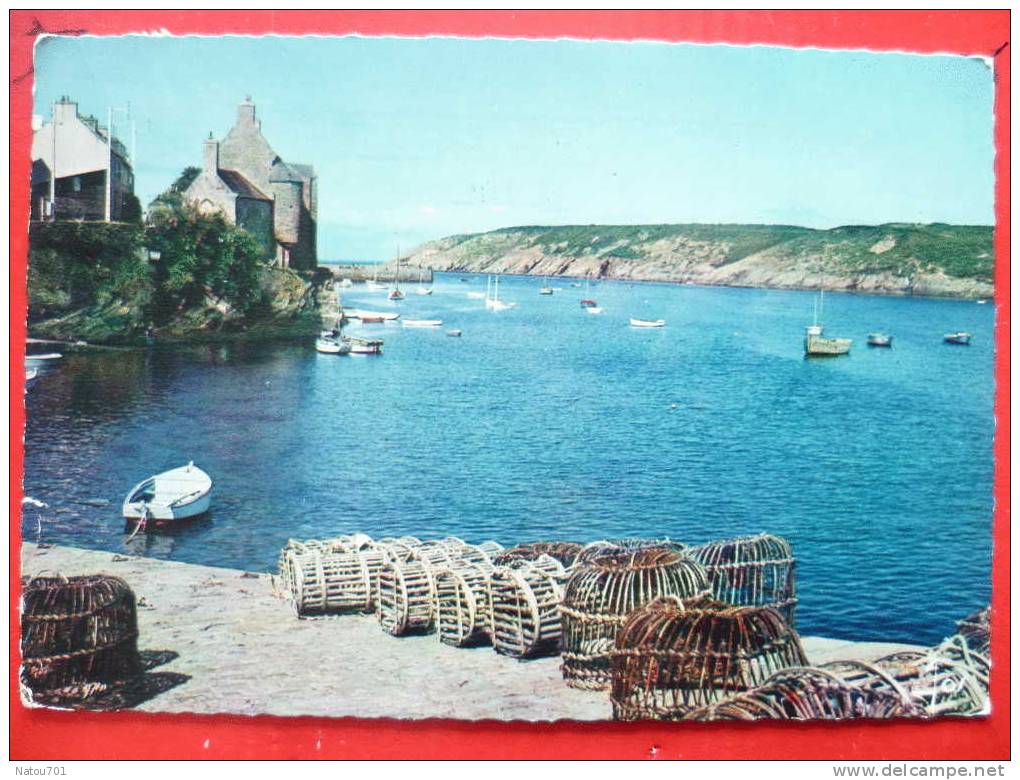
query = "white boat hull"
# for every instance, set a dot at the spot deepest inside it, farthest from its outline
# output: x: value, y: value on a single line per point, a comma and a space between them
x: 178, y: 494
x: 422, y: 323
x: 647, y: 323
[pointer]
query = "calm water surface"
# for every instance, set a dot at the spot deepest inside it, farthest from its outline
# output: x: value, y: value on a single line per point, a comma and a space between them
x: 546, y: 422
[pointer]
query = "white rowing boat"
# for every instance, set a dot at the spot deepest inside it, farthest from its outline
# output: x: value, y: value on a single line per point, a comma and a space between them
x: 636, y: 323
x: 178, y: 494
x: 422, y: 323
x: 47, y: 356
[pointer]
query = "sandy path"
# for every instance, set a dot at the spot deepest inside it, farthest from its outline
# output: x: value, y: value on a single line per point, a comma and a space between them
x: 245, y: 652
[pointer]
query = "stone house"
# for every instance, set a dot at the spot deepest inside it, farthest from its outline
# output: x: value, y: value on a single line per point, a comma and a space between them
x: 276, y: 201
x: 79, y: 171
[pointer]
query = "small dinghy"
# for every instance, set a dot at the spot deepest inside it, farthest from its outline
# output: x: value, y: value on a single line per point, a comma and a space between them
x: 879, y: 340
x: 635, y: 323
x: 962, y: 338
x: 456, y: 333
x: 178, y: 494
x: 422, y: 323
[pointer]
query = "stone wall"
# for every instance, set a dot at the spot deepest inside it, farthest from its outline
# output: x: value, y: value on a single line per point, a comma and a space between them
x: 256, y: 217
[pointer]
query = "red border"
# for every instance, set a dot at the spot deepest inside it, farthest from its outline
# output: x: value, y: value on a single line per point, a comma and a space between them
x: 38, y: 734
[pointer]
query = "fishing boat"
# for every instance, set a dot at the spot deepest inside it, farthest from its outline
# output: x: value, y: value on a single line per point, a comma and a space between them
x: 962, y: 338
x: 879, y: 340
x: 636, y: 323
x: 422, y: 323
x: 594, y: 309
x: 361, y: 346
x: 422, y: 289
x: 492, y: 300
x: 546, y: 289
x: 456, y: 333
x: 816, y: 343
x: 371, y: 316
x: 371, y: 320
x: 178, y: 494
x: 331, y: 345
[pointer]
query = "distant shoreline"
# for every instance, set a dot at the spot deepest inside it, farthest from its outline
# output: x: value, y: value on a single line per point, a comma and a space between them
x: 410, y: 274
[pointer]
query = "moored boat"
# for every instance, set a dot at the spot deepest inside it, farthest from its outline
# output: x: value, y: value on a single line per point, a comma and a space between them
x: 636, y: 323
x: 47, y: 356
x: 422, y: 289
x: 879, y: 340
x: 492, y: 300
x: 359, y: 346
x: 456, y: 333
x: 371, y: 316
x: 594, y: 309
x: 331, y: 345
x: 962, y: 338
x: 422, y: 323
x: 178, y: 494
x: 819, y: 345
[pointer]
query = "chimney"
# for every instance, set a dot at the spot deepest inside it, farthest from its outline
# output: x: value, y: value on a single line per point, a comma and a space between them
x: 246, y: 112
x: 65, y: 110
x: 211, y: 155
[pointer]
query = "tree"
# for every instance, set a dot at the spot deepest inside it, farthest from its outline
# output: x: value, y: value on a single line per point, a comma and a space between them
x: 198, y: 255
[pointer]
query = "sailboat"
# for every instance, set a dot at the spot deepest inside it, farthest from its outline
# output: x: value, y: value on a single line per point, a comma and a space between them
x: 492, y: 300
x: 586, y: 302
x: 817, y: 344
x: 395, y: 293
x: 422, y: 289
x: 546, y: 289
x: 373, y: 283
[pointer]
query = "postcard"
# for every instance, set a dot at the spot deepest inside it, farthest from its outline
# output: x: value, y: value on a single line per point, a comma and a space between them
x: 492, y: 378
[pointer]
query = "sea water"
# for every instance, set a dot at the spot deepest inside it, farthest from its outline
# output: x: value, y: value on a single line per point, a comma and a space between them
x: 547, y: 422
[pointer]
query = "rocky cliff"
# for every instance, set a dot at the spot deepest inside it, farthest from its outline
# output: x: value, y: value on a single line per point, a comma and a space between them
x: 894, y: 259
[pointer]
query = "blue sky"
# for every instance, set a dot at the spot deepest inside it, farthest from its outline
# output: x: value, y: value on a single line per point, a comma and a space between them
x: 416, y: 139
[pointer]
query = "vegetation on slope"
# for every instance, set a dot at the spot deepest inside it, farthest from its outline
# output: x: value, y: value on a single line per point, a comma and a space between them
x: 960, y: 251
x: 183, y: 272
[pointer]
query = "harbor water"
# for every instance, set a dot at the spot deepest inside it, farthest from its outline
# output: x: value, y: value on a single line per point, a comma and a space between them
x: 546, y: 422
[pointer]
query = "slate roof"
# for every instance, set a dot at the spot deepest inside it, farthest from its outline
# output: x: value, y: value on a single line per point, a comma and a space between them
x: 241, y: 186
x: 281, y: 171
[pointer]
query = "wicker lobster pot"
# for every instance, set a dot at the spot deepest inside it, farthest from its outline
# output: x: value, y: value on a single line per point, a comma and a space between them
x: 323, y: 583
x: 950, y: 679
x: 593, y: 550
x: 78, y: 635
x: 602, y: 592
x: 462, y: 604
x: 524, y: 601
x: 976, y: 631
x: 564, y: 552
x: 345, y: 543
x: 753, y: 571
x: 805, y: 694
x: 672, y: 657
x: 407, y: 595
